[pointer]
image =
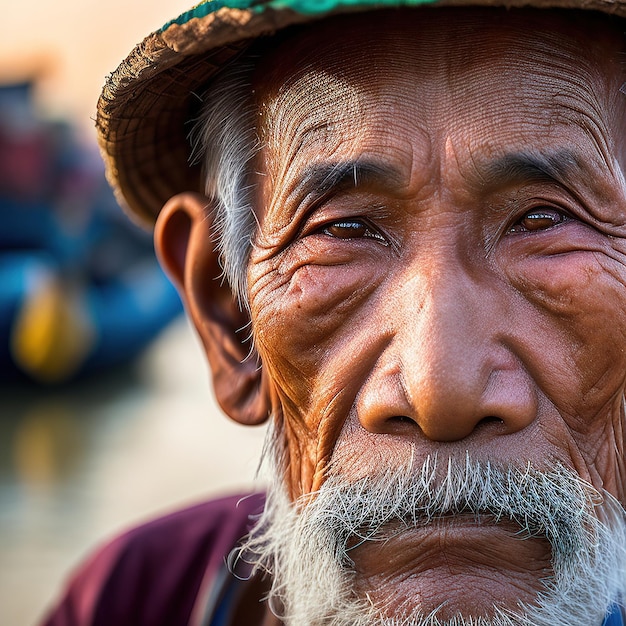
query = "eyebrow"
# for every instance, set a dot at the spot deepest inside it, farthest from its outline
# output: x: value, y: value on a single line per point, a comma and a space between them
x: 530, y: 166
x: 319, y: 181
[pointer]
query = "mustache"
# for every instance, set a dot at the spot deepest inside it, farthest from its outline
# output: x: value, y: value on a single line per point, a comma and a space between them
x: 553, y: 503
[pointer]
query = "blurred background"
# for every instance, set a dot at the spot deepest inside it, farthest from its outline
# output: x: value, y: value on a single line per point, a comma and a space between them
x: 106, y: 413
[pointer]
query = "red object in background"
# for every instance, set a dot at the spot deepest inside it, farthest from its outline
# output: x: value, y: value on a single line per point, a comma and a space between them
x: 23, y: 164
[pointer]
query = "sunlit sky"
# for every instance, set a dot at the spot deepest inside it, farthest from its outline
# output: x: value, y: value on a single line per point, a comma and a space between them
x: 75, y: 43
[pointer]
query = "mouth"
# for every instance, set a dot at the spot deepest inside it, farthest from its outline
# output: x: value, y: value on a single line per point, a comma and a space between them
x: 460, y: 563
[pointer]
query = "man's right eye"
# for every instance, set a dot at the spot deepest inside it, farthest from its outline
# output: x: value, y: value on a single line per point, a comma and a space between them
x: 352, y: 229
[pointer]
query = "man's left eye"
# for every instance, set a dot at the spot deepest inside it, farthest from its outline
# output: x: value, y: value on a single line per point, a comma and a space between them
x: 352, y: 229
x: 539, y: 219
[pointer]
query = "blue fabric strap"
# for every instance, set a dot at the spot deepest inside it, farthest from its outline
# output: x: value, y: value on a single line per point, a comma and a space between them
x: 614, y: 618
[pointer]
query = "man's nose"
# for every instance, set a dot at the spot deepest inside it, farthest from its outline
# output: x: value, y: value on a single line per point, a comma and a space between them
x: 452, y: 365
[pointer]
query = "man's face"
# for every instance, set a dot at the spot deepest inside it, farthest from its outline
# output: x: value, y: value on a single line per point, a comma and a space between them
x: 440, y: 268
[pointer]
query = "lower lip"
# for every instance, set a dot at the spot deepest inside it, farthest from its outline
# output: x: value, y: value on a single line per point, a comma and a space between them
x: 466, y: 563
x: 476, y: 540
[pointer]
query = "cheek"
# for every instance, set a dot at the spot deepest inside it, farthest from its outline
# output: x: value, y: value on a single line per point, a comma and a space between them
x: 578, y: 307
x: 308, y: 317
x: 317, y: 337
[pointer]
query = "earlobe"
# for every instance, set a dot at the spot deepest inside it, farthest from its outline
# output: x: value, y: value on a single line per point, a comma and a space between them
x: 184, y: 242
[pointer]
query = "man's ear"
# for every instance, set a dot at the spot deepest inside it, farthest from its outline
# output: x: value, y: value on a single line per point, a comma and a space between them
x: 184, y: 241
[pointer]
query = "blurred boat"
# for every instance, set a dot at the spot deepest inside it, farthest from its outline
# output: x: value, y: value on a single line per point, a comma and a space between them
x: 80, y: 288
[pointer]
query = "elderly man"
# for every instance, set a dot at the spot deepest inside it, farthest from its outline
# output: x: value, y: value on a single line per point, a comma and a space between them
x: 401, y: 237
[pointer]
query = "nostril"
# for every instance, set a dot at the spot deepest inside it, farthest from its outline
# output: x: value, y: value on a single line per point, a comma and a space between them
x: 400, y: 424
x: 401, y: 419
x: 490, y: 419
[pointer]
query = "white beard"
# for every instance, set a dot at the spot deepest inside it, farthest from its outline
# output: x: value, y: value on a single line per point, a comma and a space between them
x: 304, y: 546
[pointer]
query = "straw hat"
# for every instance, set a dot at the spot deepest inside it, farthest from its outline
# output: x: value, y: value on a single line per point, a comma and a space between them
x: 146, y: 103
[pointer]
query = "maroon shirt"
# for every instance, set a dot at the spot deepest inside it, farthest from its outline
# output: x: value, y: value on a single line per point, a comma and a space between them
x: 168, y: 572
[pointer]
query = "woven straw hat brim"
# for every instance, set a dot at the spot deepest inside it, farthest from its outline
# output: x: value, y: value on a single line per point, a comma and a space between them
x: 143, y: 117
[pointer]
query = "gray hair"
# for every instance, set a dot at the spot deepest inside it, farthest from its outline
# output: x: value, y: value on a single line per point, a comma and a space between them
x: 225, y: 141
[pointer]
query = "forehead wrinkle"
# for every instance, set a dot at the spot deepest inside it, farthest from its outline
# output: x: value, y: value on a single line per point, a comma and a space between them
x: 584, y: 81
x: 304, y: 111
x: 375, y: 138
x: 562, y: 87
x: 583, y: 98
x: 296, y: 118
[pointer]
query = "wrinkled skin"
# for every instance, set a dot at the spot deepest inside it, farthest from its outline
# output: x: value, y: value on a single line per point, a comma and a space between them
x: 458, y: 283
x: 440, y: 268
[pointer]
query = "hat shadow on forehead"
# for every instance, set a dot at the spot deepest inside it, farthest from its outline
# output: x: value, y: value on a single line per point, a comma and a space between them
x: 148, y: 104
